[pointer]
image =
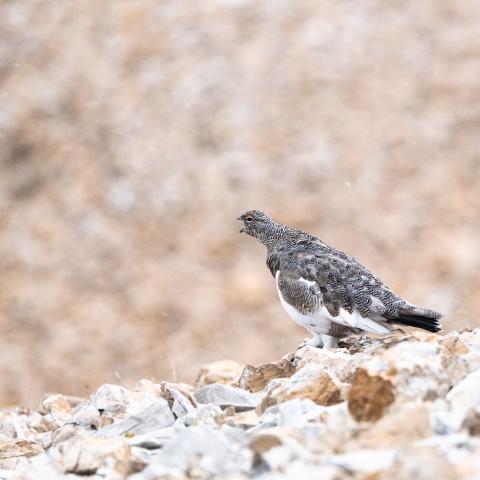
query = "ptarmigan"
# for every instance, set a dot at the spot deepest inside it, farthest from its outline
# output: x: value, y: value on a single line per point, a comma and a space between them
x: 327, y: 291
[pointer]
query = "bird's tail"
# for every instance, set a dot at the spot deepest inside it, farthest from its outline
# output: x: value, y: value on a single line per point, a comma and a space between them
x: 413, y: 316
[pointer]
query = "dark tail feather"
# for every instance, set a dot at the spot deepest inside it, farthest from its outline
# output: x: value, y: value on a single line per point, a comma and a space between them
x: 428, y: 321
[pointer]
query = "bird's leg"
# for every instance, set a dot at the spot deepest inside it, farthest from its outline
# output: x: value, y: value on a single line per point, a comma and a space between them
x: 315, y: 341
x: 329, y: 341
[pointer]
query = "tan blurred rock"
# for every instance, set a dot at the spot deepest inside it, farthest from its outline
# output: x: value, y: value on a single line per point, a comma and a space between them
x: 222, y: 371
x: 257, y: 378
x: 58, y: 407
x: 472, y: 422
x: 265, y: 441
x: 245, y: 419
x: 19, y: 448
x: 420, y: 464
x: 369, y: 396
x: 400, y: 426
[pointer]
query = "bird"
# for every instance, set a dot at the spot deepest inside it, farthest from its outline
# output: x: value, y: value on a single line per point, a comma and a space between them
x: 327, y: 291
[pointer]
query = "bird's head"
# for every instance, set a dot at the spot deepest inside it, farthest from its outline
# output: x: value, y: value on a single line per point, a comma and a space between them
x: 257, y: 224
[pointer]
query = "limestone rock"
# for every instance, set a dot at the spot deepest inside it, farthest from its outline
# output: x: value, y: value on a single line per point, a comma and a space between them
x: 466, y: 394
x: 310, y: 382
x: 19, y: 448
x: 180, y: 401
x: 210, y: 451
x: 223, y: 371
x: 156, y: 415
x: 84, y: 456
x: 369, y: 396
x: 338, y: 362
x: 58, y: 407
x: 255, y: 379
x: 226, y: 396
x: 86, y: 416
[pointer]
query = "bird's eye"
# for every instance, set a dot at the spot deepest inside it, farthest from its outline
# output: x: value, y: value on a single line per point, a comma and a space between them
x: 249, y: 218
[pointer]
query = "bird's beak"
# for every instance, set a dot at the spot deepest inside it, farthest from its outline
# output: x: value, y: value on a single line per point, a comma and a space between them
x: 242, y: 229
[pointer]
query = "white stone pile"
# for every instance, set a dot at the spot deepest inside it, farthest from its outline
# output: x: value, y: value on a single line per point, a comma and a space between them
x: 403, y: 406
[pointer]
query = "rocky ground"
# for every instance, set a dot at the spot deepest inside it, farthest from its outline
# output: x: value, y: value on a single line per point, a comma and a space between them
x: 404, y: 406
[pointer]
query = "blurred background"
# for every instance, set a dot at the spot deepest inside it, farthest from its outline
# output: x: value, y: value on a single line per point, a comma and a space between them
x: 133, y: 133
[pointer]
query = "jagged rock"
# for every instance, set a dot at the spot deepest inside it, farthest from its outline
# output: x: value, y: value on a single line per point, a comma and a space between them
x: 245, y: 419
x: 210, y: 451
x: 337, y: 362
x: 111, y: 399
x: 255, y: 379
x: 84, y: 456
x: 181, y: 402
x: 87, y: 416
x: 310, y: 382
x: 156, y: 415
x: 58, y: 408
x: 119, y: 402
x: 226, y: 396
x: 450, y: 415
x: 223, y: 371
x: 63, y: 434
x: 466, y: 394
x: 414, y: 368
x: 19, y: 448
x: 369, y: 396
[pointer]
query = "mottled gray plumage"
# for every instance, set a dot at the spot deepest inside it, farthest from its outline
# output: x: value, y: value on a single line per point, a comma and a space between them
x: 328, y: 291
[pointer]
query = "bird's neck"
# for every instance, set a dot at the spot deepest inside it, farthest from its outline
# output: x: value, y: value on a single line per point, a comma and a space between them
x: 279, y: 235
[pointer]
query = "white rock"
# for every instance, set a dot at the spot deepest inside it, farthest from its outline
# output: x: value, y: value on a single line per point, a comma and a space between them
x: 338, y: 363
x: 86, y: 416
x: 156, y: 415
x: 154, y: 439
x: 305, y: 471
x: 365, y: 460
x: 111, y: 399
x: 84, y: 455
x: 444, y: 419
x: 227, y: 396
x: 466, y: 394
x: 212, y: 451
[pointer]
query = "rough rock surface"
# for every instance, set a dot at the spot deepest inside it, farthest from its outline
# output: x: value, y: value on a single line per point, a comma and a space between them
x: 379, y: 408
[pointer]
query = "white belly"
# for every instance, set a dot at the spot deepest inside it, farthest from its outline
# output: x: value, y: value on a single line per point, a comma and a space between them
x: 317, y: 323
